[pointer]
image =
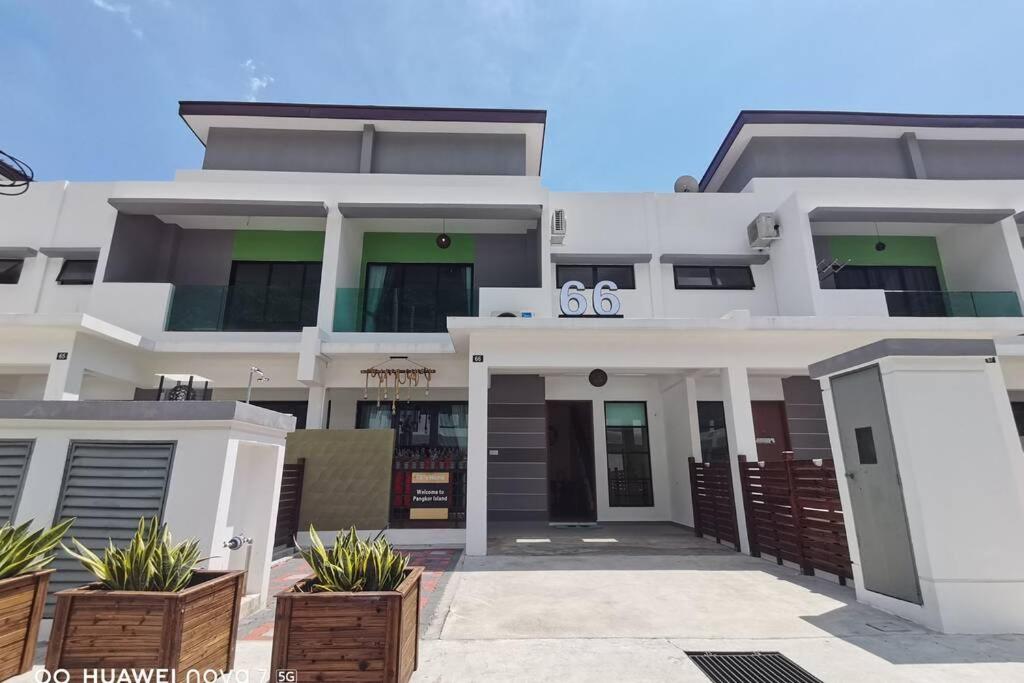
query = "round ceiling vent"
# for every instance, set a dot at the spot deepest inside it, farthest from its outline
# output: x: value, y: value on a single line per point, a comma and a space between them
x: 598, y: 378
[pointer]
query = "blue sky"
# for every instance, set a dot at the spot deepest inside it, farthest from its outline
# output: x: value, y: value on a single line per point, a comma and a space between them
x: 637, y: 92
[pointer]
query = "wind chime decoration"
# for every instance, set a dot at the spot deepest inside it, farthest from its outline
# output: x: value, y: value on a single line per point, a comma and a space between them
x: 392, y: 380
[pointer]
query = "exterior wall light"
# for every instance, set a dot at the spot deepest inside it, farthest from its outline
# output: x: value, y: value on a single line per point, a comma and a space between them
x: 598, y: 378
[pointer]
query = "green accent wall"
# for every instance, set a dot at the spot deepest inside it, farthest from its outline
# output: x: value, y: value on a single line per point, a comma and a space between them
x: 278, y: 245
x: 900, y: 250
x: 415, y: 247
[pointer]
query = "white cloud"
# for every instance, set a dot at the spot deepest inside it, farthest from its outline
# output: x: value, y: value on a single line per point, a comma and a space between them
x: 122, y: 10
x: 255, y: 82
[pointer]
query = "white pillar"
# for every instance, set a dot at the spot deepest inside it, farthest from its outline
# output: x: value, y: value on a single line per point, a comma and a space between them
x: 64, y: 381
x: 476, y: 465
x: 739, y: 427
x: 329, y: 270
x: 316, y: 408
x: 691, y: 416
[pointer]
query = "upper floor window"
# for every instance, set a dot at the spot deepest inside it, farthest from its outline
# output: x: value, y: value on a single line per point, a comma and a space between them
x: 622, y: 276
x: 10, y: 271
x: 714, y: 277
x: 77, y: 272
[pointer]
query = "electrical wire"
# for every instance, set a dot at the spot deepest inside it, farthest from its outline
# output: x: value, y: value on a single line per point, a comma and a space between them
x: 15, y: 175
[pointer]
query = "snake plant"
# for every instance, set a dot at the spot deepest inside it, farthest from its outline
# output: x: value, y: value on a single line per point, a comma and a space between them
x: 23, y: 552
x: 150, y: 562
x: 353, y: 564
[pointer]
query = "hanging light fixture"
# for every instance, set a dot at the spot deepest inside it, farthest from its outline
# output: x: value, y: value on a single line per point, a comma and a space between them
x: 443, y: 241
x: 879, y: 245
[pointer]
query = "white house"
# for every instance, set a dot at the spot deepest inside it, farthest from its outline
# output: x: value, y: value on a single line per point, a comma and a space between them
x: 583, y: 345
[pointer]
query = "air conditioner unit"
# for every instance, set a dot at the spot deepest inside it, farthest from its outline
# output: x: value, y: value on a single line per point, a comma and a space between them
x: 504, y: 314
x: 558, y: 226
x: 763, y: 231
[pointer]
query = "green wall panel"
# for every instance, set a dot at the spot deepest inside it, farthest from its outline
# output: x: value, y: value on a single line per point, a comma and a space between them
x: 415, y: 247
x: 900, y: 250
x: 278, y: 245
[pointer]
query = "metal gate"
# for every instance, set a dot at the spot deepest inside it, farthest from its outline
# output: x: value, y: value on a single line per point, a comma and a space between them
x: 14, y: 456
x: 288, y: 508
x: 107, y: 487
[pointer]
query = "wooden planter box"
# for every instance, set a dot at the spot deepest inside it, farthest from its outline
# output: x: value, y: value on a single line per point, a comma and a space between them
x: 21, y: 607
x: 367, y: 636
x: 195, y: 629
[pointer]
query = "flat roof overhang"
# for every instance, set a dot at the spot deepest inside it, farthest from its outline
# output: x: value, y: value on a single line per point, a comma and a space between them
x: 795, y: 123
x: 200, y: 117
x: 883, y: 214
x: 220, y: 207
x: 453, y: 211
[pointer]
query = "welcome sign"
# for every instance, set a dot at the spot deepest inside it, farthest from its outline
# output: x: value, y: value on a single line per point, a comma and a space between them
x: 431, y: 495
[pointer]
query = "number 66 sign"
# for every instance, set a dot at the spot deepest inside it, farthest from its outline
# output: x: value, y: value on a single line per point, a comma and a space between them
x: 574, y: 303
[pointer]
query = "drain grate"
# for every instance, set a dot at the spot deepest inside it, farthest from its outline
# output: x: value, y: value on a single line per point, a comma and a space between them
x: 750, y: 667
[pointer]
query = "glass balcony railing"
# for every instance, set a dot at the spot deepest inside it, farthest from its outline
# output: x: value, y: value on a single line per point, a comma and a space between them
x: 251, y: 308
x: 953, y: 304
x: 401, y: 309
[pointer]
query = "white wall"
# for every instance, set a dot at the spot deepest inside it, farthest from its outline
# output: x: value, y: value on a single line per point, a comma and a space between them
x: 620, y: 388
x: 25, y: 387
x: 682, y: 439
x: 975, y: 259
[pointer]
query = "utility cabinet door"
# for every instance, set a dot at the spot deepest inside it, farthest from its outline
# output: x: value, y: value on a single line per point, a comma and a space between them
x: 876, y: 492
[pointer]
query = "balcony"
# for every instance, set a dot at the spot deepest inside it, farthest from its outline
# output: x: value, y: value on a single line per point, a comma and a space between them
x: 952, y: 304
x: 401, y: 309
x: 248, y: 308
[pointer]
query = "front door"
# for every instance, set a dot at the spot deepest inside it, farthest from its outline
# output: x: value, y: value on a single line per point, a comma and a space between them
x: 572, y: 493
x: 771, y: 433
x: 876, y: 493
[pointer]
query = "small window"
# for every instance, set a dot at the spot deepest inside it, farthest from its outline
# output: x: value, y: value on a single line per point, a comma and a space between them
x: 865, y: 446
x: 714, y: 277
x: 622, y: 276
x: 77, y: 273
x: 10, y: 271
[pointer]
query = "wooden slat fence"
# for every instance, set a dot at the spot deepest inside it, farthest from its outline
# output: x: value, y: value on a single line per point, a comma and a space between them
x: 714, y: 512
x: 793, y: 513
x: 288, y: 507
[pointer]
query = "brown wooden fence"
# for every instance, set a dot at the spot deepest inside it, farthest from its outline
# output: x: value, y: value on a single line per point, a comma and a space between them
x: 714, y: 512
x: 288, y: 507
x: 793, y: 513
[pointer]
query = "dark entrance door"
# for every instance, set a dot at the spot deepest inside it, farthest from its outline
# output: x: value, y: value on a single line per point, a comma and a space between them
x: 771, y: 434
x: 572, y: 493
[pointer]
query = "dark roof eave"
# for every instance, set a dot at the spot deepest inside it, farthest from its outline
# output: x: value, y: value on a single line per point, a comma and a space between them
x: 850, y: 118
x: 372, y: 112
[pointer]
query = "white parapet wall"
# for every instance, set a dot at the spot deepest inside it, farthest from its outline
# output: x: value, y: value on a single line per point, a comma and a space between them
x: 225, y: 468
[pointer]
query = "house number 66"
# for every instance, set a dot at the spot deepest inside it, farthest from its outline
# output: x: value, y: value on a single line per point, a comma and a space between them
x: 574, y: 303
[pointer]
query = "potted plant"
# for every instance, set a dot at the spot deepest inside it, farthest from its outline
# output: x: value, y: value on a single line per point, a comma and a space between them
x: 23, y: 581
x: 150, y: 609
x: 355, y: 619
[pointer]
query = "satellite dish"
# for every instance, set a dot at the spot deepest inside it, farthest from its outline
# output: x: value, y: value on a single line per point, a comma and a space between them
x: 686, y: 183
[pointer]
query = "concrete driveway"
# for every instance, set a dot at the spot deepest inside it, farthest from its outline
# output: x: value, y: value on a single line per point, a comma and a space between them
x: 562, y: 610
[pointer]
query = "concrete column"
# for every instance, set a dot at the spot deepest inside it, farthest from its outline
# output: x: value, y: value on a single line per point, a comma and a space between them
x: 329, y: 270
x: 316, y: 408
x: 739, y: 426
x: 476, y: 466
x: 1015, y: 253
x: 691, y: 416
x: 64, y: 381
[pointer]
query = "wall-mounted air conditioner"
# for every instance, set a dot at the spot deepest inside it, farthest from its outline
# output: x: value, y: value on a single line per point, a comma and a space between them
x: 512, y: 314
x: 763, y: 231
x: 558, y: 226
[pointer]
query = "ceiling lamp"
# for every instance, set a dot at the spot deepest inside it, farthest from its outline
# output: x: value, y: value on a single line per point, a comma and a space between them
x: 443, y: 241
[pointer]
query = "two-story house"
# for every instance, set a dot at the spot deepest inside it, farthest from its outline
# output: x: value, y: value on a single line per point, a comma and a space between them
x: 558, y: 355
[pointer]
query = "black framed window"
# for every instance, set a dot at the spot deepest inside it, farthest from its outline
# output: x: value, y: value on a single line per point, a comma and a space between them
x: 714, y: 277
x: 623, y: 276
x: 629, y: 454
x: 272, y: 295
x: 416, y: 297
x: 10, y: 271
x: 429, y: 436
x: 910, y: 290
x: 1018, y: 416
x: 77, y: 272
x: 714, y: 440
